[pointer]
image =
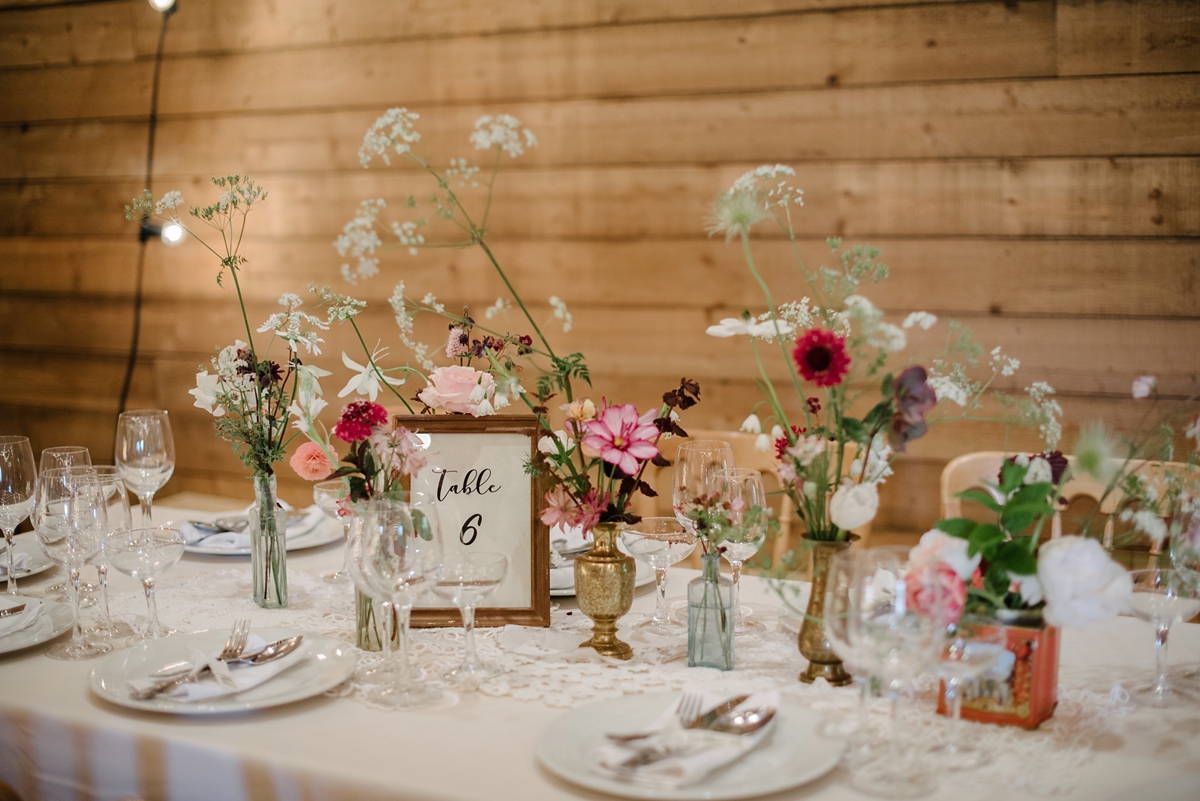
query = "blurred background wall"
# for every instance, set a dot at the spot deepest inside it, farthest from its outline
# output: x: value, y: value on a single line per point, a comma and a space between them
x: 1029, y: 168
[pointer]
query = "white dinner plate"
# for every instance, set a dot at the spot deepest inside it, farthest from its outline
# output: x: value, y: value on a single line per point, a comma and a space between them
x: 322, y: 533
x: 38, y: 561
x: 329, y: 663
x: 793, y: 755
x: 55, y: 619
x: 645, y: 575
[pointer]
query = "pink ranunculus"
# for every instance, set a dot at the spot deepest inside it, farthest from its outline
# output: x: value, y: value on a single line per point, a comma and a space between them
x: 561, y: 509
x: 311, y: 462
x: 936, y: 590
x: 622, y: 438
x: 458, y: 389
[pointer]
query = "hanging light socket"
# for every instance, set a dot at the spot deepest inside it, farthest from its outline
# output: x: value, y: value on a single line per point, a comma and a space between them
x: 171, y: 233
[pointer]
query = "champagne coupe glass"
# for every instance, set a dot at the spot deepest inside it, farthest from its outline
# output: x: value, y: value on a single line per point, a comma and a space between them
x: 330, y: 497
x: 464, y: 580
x: 401, y: 552
x: 64, y: 456
x: 71, y: 516
x: 744, y: 505
x: 18, y: 485
x: 972, y: 646
x: 119, y: 518
x: 145, y: 554
x: 146, y: 455
x: 659, y: 542
x: 1163, y: 597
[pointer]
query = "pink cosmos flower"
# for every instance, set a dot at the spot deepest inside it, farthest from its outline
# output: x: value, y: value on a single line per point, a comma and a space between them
x: 622, y: 438
x: 311, y: 462
x: 561, y: 509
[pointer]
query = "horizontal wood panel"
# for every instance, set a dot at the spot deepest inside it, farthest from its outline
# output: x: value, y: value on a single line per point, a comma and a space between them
x: 947, y: 276
x: 857, y: 46
x: 1110, y: 37
x: 1012, y: 197
x: 1075, y: 355
x: 1085, y: 117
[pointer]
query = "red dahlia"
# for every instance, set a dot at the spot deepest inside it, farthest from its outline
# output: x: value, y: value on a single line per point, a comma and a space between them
x: 357, y: 419
x: 820, y: 356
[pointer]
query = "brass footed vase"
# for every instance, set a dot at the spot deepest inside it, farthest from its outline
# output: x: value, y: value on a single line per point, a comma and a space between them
x: 823, y: 663
x: 604, y: 580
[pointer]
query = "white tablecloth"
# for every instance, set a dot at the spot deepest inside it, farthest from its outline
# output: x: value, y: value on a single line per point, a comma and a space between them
x: 57, y: 741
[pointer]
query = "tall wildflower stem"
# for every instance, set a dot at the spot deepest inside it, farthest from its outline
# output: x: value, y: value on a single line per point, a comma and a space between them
x: 375, y: 367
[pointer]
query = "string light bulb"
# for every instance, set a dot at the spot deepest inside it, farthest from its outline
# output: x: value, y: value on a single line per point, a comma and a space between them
x: 173, y: 234
x: 162, y: 5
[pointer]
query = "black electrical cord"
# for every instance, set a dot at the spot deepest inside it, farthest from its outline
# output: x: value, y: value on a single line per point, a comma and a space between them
x: 141, y: 262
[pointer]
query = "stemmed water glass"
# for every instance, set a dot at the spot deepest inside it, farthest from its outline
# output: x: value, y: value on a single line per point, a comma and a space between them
x: 1185, y: 554
x: 839, y: 588
x: 659, y: 542
x: 972, y: 646
x: 744, y: 506
x: 400, y: 553
x: 330, y: 498
x: 464, y: 580
x: 119, y: 518
x: 1163, y: 597
x: 145, y: 454
x: 64, y: 456
x: 695, y: 486
x: 18, y: 485
x: 145, y: 554
x: 70, y: 517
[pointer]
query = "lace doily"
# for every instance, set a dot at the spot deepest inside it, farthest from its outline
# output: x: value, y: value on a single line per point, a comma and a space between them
x: 546, y: 665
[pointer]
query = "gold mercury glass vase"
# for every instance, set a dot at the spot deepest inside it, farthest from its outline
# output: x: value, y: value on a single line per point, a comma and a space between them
x: 604, y: 579
x: 823, y: 663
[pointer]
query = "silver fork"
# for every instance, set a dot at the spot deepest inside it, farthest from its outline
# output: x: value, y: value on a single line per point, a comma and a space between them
x: 239, y: 635
x: 690, y: 704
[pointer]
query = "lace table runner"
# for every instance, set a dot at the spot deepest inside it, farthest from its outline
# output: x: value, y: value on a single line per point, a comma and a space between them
x: 546, y: 665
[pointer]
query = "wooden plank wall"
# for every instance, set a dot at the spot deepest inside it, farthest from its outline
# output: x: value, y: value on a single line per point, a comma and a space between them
x: 1027, y: 167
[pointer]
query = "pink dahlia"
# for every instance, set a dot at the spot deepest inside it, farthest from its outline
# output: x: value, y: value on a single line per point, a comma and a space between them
x: 357, y: 420
x: 622, y: 438
x: 821, y: 357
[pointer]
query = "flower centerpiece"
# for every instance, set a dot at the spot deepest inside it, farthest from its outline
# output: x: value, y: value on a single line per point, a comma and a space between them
x: 834, y: 444
x: 248, y: 393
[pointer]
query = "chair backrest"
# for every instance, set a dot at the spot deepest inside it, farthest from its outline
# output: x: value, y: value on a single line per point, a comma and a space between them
x: 1155, y: 474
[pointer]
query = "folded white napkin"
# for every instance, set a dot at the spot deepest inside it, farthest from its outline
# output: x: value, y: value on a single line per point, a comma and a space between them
x: 20, y: 562
x: 235, y: 540
x: 223, y: 679
x: 22, y: 620
x: 562, y: 571
x: 704, y: 751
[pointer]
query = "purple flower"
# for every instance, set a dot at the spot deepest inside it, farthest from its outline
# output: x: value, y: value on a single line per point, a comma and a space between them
x: 914, y: 399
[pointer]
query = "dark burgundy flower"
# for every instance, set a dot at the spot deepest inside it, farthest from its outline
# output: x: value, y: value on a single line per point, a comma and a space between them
x: 821, y: 357
x: 357, y: 420
x: 814, y: 405
x: 914, y: 399
x: 526, y: 345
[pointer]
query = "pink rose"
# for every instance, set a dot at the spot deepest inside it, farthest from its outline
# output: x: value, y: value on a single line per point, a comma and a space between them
x: 459, y: 389
x: 310, y: 462
x: 935, y: 590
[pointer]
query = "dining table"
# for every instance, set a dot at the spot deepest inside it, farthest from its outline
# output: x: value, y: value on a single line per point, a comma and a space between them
x: 60, y: 740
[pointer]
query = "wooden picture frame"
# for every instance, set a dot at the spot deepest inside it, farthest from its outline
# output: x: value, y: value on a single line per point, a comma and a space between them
x: 457, y: 446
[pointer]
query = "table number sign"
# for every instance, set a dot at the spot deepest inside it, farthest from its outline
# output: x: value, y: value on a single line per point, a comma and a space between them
x: 487, y: 502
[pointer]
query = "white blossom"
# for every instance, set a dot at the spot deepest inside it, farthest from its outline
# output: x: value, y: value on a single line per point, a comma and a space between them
x: 408, y: 235
x: 768, y: 181
x: 853, y: 505
x: 358, y: 238
x: 806, y: 449
x: 1028, y: 587
x: 734, y: 213
x: 1005, y: 365
x: 294, y: 326
x: 938, y: 546
x: 550, y: 445
x: 205, y: 393
x: 499, y: 307
x: 776, y: 432
x: 1081, y: 583
x: 878, y: 455
x: 170, y: 201
x: 394, y: 130
x: 465, y: 173
x: 305, y: 409
x: 923, y: 319
x: 504, y: 132
x: 1043, y: 411
x: 561, y: 313
x: 367, y: 380
x: 1193, y: 432
x: 799, y: 313
x: 431, y: 301
x: 1039, y: 471
x: 751, y: 425
x: 1147, y: 522
x: 945, y: 388
x: 1143, y: 385
x: 309, y: 378
x: 762, y: 443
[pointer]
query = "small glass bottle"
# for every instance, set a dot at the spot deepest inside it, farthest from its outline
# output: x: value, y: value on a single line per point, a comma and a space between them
x: 268, y: 546
x: 710, y: 617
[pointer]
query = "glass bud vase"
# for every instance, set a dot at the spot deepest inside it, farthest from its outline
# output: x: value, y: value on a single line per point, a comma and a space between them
x: 268, y: 546
x: 710, y: 617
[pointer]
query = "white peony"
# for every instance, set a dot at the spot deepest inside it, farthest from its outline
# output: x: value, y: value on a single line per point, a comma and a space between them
x: 1039, y: 471
x: 853, y: 505
x: 938, y: 546
x: 1081, y: 583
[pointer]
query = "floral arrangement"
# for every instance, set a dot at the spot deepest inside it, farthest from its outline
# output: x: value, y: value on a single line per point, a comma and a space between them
x: 990, y: 566
x: 833, y: 345
x: 596, y: 459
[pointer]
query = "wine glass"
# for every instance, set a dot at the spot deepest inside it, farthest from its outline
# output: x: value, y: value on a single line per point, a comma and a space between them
x: 839, y: 585
x: 743, y: 503
x: 330, y: 497
x: 70, y: 516
x: 381, y: 609
x: 1163, y: 597
x: 695, y: 487
x: 659, y: 542
x: 146, y: 455
x: 401, y: 552
x: 119, y: 518
x: 972, y: 646
x: 1185, y: 554
x: 18, y: 485
x: 464, y: 580
x: 145, y: 554
x: 64, y: 456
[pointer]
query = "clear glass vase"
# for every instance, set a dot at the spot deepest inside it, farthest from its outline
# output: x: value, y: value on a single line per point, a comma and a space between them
x: 268, y: 546
x: 710, y: 617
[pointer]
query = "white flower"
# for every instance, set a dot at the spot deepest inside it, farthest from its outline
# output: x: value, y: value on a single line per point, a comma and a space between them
x: 751, y: 425
x: 920, y: 318
x: 171, y: 200
x: 786, y: 471
x: 768, y: 329
x: 1080, y: 582
x: 762, y: 443
x: 853, y: 505
x: 294, y: 326
x: 1193, y: 432
x: 1039, y: 471
x: 938, y: 546
x: 1041, y: 410
x: 888, y: 337
x: 549, y: 445
x: 776, y: 431
x: 766, y: 181
x: 504, y: 132
x: 227, y: 362
x: 734, y: 212
x: 341, y: 307
x: 305, y: 409
x: 394, y: 130
x: 809, y: 489
x: 806, y: 449
x: 309, y: 378
x: 736, y: 326
x: 561, y: 313
x: 205, y: 393
x: 1143, y: 385
x: 1147, y: 522
x: 499, y: 307
x: 1006, y: 365
x: 367, y: 380
x: 1029, y: 587
x: 879, y: 456
x: 360, y: 241
x: 483, y: 409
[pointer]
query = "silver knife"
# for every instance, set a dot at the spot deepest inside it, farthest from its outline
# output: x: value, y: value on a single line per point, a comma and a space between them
x: 710, y: 717
x: 13, y: 610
